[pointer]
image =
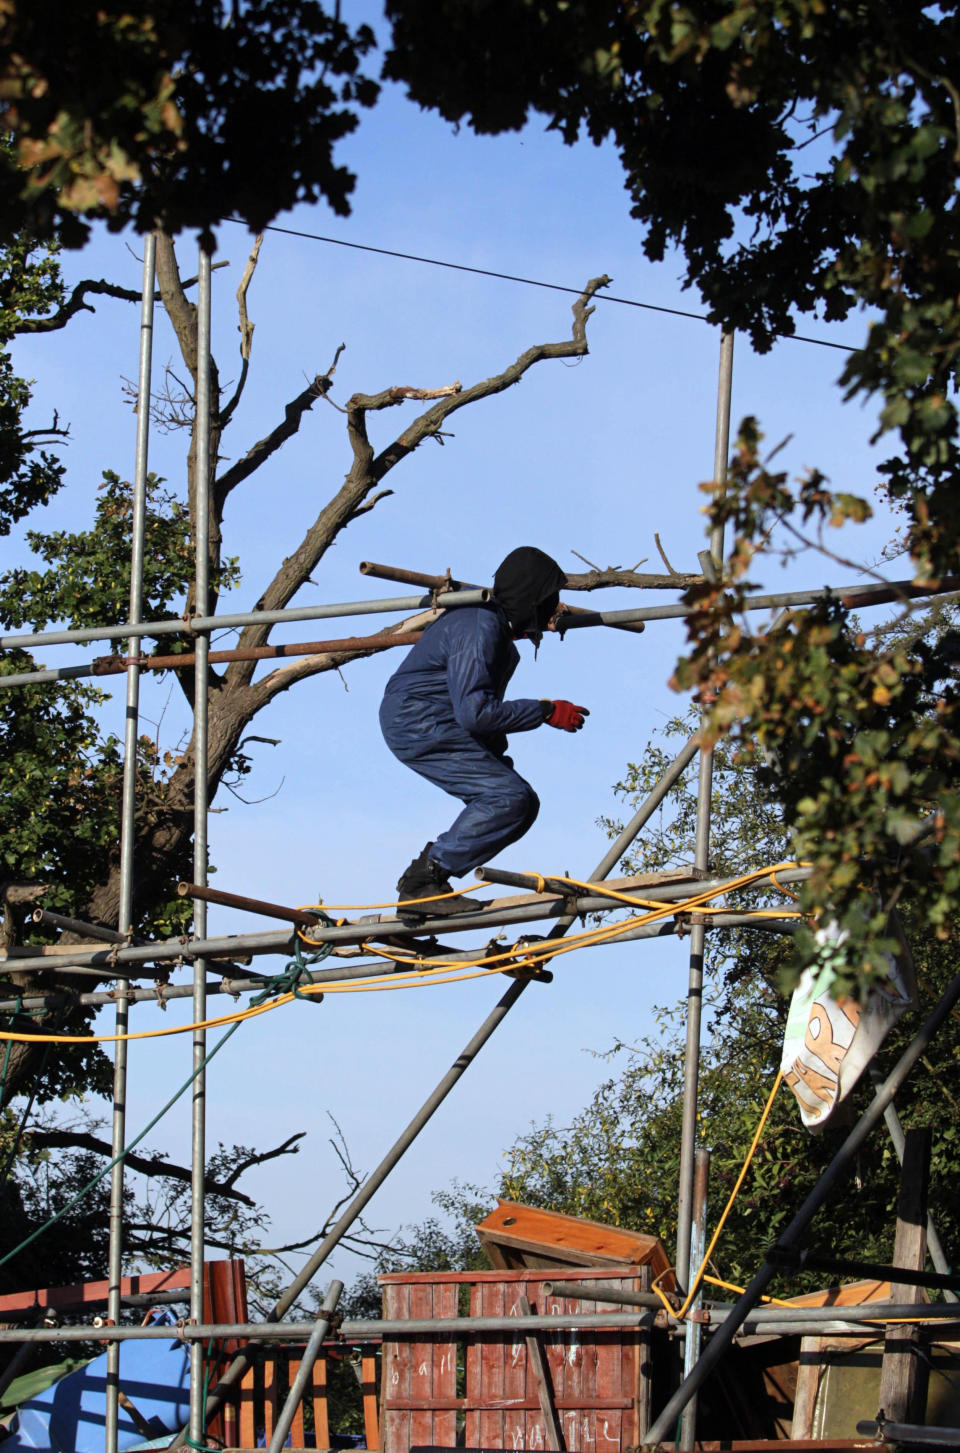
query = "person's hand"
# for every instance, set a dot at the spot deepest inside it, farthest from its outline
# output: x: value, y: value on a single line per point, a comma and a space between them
x: 566, y: 716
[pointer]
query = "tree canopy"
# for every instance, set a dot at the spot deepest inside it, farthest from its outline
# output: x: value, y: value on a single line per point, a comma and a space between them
x: 175, y: 113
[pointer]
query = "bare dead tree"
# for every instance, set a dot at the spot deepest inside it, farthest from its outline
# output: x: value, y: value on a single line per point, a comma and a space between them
x: 234, y: 697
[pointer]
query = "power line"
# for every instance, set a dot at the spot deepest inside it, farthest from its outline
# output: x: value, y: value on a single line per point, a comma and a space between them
x: 530, y: 282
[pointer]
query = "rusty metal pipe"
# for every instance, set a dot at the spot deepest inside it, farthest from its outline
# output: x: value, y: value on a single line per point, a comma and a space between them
x: 249, y: 905
x: 113, y: 665
x: 411, y: 577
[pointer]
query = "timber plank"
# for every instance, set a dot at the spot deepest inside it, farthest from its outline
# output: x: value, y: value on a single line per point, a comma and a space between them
x: 296, y: 1426
x: 902, y: 1384
x: 536, y: 1365
x: 492, y: 1358
x: 368, y: 1384
x: 421, y: 1368
x: 445, y: 1304
x: 246, y: 1427
x: 395, y: 1368
x: 517, y: 1431
x: 321, y: 1406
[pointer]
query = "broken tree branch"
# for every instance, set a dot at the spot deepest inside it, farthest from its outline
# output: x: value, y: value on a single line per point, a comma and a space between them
x: 245, y: 329
x: 368, y: 470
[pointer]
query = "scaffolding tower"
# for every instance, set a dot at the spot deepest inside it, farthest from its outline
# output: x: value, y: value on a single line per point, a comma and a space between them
x: 557, y: 901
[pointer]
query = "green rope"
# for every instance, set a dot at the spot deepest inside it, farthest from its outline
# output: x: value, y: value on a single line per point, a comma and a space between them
x: 295, y: 972
x: 207, y: 1370
x: 95, y: 1180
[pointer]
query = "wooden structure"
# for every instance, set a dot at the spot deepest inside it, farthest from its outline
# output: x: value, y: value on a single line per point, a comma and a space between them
x: 515, y: 1235
x: 492, y: 1391
x: 252, y: 1415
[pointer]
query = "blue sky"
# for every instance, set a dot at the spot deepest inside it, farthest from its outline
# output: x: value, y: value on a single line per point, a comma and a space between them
x: 594, y: 457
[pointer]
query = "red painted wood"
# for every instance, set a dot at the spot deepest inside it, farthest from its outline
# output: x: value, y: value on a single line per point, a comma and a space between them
x: 518, y: 1425
x: 593, y: 1372
x: 465, y: 1405
x: 445, y: 1302
x: 613, y: 1274
x: 490, y: 1296
x: 592, y: 1426
x: 472, y: 1368
x: 395, y: 1371
x: 421, y: 1366
x: 84, y: 1293
x: 555, y: 1349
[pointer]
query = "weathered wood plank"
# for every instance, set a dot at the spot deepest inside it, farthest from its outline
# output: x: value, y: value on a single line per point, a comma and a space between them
x: 395, y: 1370
x: 368, y: 1386
x: 902, y: 1380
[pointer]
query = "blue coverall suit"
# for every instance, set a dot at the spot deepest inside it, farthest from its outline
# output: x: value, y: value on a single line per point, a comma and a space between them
x: 443, y: 714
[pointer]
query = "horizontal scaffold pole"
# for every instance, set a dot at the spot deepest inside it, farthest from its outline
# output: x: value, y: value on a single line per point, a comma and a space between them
x: 456, y: 1329
x: 526, y: 908
x: 252, y: 983
x: 180, y: 625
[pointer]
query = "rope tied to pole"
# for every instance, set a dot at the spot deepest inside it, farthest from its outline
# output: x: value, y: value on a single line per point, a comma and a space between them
x: 294, y: 973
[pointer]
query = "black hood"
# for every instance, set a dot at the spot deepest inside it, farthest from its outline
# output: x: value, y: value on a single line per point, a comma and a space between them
x: 525, y: 583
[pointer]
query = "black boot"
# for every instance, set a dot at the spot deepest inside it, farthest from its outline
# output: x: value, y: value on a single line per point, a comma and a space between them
x: 425, y: 879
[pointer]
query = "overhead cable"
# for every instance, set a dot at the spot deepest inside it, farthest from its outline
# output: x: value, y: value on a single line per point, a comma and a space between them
x: 529, y: 282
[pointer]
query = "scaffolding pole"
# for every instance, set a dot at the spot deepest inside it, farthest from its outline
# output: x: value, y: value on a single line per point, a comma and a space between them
x: 375, y: 929
x: 239, y: 1365
x: 688, y: 1136
x: 190, y: 625
x: 857, y: 1321
x: 854, y: 597
x: 202, y: 464
x: 127, y: 832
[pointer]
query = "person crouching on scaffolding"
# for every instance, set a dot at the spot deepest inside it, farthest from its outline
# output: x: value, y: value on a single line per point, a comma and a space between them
x: 443, y: 714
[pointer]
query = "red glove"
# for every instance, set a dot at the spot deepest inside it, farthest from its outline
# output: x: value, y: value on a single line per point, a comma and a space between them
x: 566, y: 716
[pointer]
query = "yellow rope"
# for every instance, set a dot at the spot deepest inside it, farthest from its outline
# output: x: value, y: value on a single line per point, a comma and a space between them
x: 447, y: 971
x: 700, y: 1276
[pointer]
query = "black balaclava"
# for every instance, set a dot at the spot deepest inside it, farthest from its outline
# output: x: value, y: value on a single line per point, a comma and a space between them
x: 527, y: 585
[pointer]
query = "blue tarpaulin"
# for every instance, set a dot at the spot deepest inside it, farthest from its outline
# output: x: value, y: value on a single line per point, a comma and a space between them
x: 69, y: 1416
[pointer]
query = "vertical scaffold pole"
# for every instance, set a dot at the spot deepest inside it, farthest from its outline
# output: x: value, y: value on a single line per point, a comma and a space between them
x: 691, y: 1078
x: 127, y: 830
x: 691, y: 1345
x: 201, y: 487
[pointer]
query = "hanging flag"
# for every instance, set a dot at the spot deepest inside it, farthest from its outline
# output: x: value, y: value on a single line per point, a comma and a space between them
x: 829, y: 1042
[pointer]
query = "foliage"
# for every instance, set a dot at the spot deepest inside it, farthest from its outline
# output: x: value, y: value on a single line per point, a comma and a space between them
x: 30, y: 287
x: 804, y: 159
x: 181, y: 112
x: 87, y: 577
x: 860, y: 734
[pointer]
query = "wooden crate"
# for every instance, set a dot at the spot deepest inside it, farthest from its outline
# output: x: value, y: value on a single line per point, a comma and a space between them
x: 596, y: 1377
